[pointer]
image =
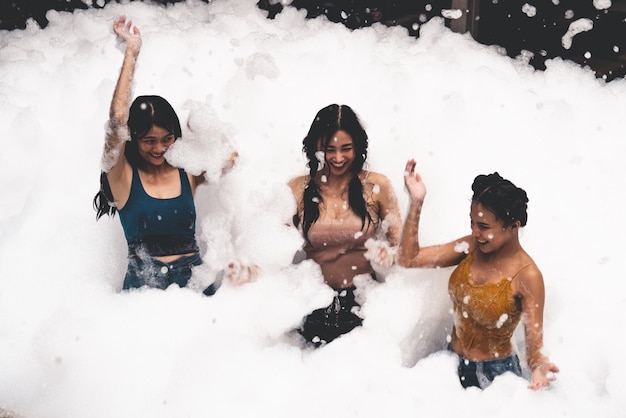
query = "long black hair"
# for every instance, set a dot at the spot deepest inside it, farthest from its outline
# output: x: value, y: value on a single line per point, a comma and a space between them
x: 327, y: 122
x: 145, y: 112
x: 508, y: 202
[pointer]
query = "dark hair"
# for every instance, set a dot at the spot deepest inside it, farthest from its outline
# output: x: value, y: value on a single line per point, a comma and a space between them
x: 327, y: 122
x: 145, y: 112
x: 508, y: 202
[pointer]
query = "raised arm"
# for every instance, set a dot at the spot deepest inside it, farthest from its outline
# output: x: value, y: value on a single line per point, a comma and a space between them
x: 532, y: 293
x: 117, y: 129
x: 409, y: 242
x: 410, y: 254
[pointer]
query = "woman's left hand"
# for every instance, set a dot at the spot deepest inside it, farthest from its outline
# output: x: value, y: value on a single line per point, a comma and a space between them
x: 381, y: 252
x: 543, y: 375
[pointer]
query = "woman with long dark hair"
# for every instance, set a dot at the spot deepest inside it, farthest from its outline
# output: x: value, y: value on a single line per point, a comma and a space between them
x: 495, y: 286
x: 155, y: 200
x: 340, y: 206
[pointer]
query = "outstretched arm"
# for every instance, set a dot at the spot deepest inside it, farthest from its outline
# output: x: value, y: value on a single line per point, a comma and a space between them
x: 410, y: 254
x: 117, y: 129
x: 532, y: 292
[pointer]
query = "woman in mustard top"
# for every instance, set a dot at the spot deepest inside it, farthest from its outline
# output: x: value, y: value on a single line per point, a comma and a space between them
x: 495, y: 285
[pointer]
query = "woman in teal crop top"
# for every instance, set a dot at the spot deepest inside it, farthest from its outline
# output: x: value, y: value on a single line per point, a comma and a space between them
x: 154, y: 199
x: 495, y: 285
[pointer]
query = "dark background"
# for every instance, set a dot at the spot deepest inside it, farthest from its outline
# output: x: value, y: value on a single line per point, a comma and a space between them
x: 492, y: 22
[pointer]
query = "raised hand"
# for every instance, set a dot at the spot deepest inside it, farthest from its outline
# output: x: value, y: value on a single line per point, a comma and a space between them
x: 413, y: 183
x: 125, y: 30
x: 381, y: 252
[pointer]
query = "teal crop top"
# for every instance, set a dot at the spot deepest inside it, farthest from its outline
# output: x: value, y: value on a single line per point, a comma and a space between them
x: 159, y: 227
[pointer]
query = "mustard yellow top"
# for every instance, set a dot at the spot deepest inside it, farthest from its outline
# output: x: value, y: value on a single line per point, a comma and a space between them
x: 486, y: 315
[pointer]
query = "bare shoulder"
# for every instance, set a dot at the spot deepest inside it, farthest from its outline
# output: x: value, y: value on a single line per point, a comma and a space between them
x: 374, y: 177
x: 121, y: 173
x: 375, y: 183
x: 529, y: 279
x: 296, y: 185
x: 120, y: 178
x: 195, y: 181
x: 532, y: 273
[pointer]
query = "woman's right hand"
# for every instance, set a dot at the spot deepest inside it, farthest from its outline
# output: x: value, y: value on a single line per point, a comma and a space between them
x: 239, y: 273
x: 125, y: 30
x: 413, y: 183
x: 543, y: 375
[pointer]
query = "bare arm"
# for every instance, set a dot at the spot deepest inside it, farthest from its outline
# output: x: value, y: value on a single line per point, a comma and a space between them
x: 409, y: 242
x: 297, y: 189
x: 380, y: 195
x: 117, y: 129
x: 531, y: 290
x: 388, y: 207
x: 442, y: 255
x: 410, y: 253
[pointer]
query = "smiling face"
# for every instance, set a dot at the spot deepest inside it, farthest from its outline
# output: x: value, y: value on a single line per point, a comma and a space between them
x: 154, y: 143
x: 339, y: 153
x: 488, y: 231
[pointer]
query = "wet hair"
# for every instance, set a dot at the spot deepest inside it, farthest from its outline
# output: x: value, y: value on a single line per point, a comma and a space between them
x: 145, y: 112
x: 508, y: 202
x: 327, y: 122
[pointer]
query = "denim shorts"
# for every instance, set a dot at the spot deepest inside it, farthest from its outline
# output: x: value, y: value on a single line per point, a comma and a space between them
x: 481, y: 373
x: 151, y: 272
